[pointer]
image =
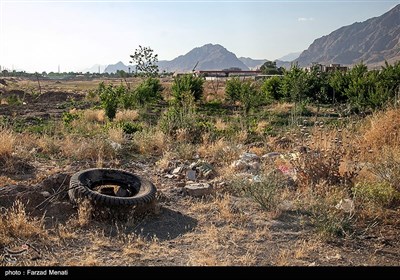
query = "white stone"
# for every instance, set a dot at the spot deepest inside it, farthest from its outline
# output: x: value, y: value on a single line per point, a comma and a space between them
x: 177, y: 170
x: 198, y: 189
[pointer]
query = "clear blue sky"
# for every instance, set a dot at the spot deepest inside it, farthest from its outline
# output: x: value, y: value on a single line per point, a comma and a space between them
x: 40, y: 35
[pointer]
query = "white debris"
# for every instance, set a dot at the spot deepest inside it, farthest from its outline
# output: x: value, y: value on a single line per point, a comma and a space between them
x: 347, y: 205
x: 198, y: 189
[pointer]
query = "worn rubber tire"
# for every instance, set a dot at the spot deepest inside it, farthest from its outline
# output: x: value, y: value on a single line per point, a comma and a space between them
x: 82, y: 183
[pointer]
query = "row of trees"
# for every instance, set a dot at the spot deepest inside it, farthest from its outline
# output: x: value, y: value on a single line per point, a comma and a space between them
x: 358, y: 87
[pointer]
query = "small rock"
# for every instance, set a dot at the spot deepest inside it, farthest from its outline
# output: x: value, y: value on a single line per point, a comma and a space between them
x: 271, y: 155
x: 249, y: 157
x: 198, y: 189
x: 177, y: 170
x: 45, y: 193
x: 191, y: 175
x: 169, y: 176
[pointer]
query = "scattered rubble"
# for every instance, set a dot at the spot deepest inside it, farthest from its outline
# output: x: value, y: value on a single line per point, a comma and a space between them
x: 247, y: 162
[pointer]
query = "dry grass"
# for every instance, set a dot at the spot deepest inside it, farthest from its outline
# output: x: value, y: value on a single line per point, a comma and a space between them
x: 383, y: 129
x: 127, y: 116
x: 86, y: 149
x: 150, y: 142
x: 116, y: 135
x: 15, y: 223
x: 221, y: 150
x: 221, y: 125
x: 8, y: 140
x: 91, y: 115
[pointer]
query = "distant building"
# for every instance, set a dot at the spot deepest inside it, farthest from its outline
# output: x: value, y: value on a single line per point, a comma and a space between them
x: 326, y: 68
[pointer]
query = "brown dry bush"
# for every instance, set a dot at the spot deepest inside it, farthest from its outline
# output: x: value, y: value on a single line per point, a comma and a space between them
x: 382, y: 129
x: 8, y: 140
x: 92, y: 115
x: 15, y: 223
x: 127, y: 115
x: 326, y: 156
x: 86, y: 148
x: 150, y: 141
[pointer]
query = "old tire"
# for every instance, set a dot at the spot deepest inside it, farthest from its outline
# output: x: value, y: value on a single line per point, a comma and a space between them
x: 82, y: 184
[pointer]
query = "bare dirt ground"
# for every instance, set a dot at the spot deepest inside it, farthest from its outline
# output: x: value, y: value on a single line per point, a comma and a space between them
x: 220, y: 229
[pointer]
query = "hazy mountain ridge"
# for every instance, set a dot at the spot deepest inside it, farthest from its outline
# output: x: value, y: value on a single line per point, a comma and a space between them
x: 372, y: 41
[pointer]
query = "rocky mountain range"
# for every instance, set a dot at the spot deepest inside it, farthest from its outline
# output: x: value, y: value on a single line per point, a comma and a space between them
x: 207, y: 57
x: 372, y: 41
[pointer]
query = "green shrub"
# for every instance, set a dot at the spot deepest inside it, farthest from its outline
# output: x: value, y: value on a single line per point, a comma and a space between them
x: 131, y: 127
x: 264, y: 188
x: 109, y: 97
x: 68, y: 117
x: 379, y: 193
x: 147, y: 92
x: 232, y: 89
x: 246, y: 92
x: 187, y: 84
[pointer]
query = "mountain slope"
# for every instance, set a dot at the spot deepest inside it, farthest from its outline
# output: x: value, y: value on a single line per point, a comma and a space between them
x: 372, y: 41
x: 113, y: 68
x: 210, y: 57
x: 252, y: 63
x: 290, y: 56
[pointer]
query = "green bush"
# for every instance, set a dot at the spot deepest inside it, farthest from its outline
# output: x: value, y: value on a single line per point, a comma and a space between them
x: 131, y: 127
x: 264, y: 188
x: 68, y: 117
x: 109, y: 97
x: 147, y: 92
x: 187, y: 84
x: 379, y: 193
x: 232, y: 89
x: 271, y: 88
x: 246, y: 92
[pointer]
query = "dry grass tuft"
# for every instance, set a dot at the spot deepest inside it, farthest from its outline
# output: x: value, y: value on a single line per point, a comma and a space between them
x: 221, y: 125
x: 15, y: 222
x: 86, y: 149
x: 127, y: 116
x: 84, y: 213
x: 116, y: 135
x: 150, y: 142
x: 383, y: 130
x: 220, y: 151
x: 8, y: 140
x: 91, y: 115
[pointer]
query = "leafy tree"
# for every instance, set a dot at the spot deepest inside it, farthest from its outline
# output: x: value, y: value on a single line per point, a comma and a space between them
x: 146, y: 61
x: 148, y: 91
x: 187, y: 83
x: 359, y: 87
x: 232, y: 89
x: 246, y: 92
x: 271, y: 88
x: 109, y: 98
x: 294, y: 84
x: 269, y: 68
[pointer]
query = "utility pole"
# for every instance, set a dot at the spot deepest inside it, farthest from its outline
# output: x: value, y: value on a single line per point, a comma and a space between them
x: 58, y: 68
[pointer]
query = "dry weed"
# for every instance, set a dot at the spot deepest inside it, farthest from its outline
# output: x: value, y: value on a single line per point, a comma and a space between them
x: 116, y: 135
x: 127, y: 116
x: 15, y: 223
x: 221, y: 125
x: 150, y: 141
x: 383, y: 130
x: 91, y: 115
x: 8, y: 140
